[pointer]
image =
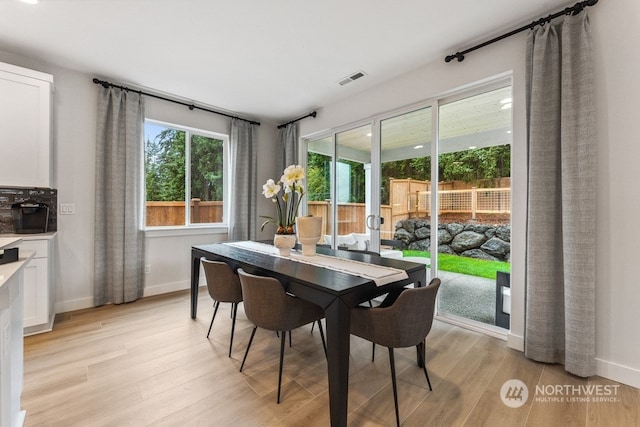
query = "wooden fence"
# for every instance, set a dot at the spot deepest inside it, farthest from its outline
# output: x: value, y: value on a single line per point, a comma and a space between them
x: 172, y: 213
x: 412, y: 198
x: 408, y: 199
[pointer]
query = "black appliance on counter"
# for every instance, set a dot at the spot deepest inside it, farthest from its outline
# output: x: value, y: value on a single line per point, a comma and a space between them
x: 30, y: 217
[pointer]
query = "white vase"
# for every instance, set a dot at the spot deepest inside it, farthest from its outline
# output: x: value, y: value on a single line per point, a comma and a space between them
x: 309, y: 231
x: 284, y: 243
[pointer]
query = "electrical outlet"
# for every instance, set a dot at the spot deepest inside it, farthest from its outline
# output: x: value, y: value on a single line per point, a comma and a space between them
x: 147, y: 269
x: 67, y: 209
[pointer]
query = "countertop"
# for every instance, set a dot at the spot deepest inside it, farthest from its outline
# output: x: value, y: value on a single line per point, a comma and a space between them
x: 7, y: 271
x: 35, y: 236
x: 6, y: 242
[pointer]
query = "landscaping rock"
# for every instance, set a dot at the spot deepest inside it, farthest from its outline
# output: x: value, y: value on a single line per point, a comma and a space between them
x: 446, y: 249
x: 479, y: 254
x: 444, y: 237
x: 421, y: 245
x: 480, y: 228
x: 467, y: 240
x: 496, y: 247
x: 454, y: 228
x: 504, y: 233
x: 458, y: 238
x: 404, y: 235
x: 423, y: 233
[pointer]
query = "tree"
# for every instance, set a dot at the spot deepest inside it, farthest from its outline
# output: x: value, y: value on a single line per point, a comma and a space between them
x: 468, y: 166
x: 165, y: 166
x: 207, y: 168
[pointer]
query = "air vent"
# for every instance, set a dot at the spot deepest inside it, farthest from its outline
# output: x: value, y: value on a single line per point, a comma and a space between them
x: 352, y: 77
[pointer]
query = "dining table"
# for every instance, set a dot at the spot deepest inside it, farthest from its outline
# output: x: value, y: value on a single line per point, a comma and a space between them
x: 336, y: 290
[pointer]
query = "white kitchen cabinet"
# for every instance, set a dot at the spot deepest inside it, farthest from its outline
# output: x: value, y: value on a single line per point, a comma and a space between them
x: 39, y: 292
x: 25, y: 126
x: 11, y: 343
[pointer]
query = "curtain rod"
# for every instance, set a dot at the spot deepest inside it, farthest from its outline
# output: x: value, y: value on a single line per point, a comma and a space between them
x: 573, y: 10
x: 106, y: 84
x: 311, y: 114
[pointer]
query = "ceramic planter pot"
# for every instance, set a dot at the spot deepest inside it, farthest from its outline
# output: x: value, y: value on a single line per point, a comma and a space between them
x: 284, y: 243
x: 309, y: 231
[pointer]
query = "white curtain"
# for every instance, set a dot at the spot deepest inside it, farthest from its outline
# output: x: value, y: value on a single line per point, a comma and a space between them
x: 560, y: 275
x: 288, y: 142
x: 244, y: 160
x: 119, y: 240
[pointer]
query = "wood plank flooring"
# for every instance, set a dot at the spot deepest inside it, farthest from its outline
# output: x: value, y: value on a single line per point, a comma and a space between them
x: 148, y: 363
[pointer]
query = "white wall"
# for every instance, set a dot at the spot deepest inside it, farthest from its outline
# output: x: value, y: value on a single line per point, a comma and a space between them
x: 74, y: 139
x: 615, y: 30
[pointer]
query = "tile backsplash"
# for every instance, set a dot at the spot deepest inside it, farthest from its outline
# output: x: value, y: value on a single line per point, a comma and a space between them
x: 11, y: 195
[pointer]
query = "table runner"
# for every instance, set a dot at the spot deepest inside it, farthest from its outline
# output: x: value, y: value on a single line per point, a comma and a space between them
x: 379, y: 274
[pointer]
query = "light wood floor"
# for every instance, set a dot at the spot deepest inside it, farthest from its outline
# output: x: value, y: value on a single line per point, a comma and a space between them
x: 148, y: 363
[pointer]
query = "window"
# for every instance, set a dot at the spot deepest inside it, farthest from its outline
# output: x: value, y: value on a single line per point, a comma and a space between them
x: 184, y: 175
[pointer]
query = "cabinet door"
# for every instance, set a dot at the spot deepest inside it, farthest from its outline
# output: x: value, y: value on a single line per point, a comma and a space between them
x: 25, y: 104
x: 36, y: 298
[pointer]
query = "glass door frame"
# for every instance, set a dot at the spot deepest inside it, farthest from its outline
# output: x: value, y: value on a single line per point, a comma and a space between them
x: 435, y: 103
x: 372, y: 199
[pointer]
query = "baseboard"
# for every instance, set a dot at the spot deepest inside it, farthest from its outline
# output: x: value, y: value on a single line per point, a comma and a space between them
x: 73, y: 305
x: 82, y: 303
x: 515, y: 342
x: 38, y: 329
x: 165, y: 288
x: 605, y: 369
x: 619, y: 373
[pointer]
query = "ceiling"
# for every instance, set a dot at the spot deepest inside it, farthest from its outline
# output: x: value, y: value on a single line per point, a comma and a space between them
x: 270, y: 60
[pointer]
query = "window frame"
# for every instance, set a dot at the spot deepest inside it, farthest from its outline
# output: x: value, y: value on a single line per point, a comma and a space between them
x: 188, y: 227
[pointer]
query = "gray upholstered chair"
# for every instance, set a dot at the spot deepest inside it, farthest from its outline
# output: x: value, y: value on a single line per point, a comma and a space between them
x: 223, y: 286
x: 405, y: 323
x: 268, y: 306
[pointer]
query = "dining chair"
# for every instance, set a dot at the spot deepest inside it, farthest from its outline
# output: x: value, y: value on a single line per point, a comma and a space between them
x: 268, y: 306
x: 223, y: 286
x: 405, y: 323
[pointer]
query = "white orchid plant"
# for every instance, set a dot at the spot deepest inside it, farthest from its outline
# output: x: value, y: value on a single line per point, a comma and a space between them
x: 287, y: 203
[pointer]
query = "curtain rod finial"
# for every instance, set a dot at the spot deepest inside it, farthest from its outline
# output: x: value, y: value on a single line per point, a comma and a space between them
x: 457, y: 55
x: 101, y: 83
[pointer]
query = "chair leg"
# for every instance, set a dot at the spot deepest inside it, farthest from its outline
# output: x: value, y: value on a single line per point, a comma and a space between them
x: 282, y: 340
x: 215, y: 310
x: 393, y: 382
x: 253, y: 332
x: 324, y: 344
x: 424, y: 365
x: 234, y: 311
x: 289, y: 339
x: 373, y: 348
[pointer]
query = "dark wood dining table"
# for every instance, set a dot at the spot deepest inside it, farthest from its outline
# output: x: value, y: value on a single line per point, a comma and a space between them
x: 336, y: 292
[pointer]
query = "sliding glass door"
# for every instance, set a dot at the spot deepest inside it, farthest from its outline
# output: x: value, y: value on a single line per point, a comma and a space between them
x: 338, y: 187
x: 431, y: 184
x: 474, y: 202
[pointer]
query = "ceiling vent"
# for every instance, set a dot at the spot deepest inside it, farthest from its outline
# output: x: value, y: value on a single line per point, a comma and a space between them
x: 352, y: 77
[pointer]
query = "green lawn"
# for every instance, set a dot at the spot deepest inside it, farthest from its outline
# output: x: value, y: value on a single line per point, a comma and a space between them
x: 464, y: 265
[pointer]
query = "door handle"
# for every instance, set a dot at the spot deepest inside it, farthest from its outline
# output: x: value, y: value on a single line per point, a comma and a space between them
x: 373, y: 223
